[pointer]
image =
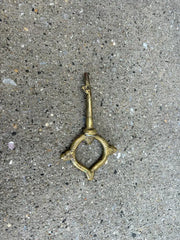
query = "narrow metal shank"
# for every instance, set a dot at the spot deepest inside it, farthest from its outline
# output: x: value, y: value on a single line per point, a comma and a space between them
x: 89, y: 113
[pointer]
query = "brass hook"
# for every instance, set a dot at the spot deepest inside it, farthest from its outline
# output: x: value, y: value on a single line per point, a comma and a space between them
x: 89, y: 135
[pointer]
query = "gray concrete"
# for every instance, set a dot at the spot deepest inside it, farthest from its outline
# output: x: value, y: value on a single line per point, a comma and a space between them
x: 131, y: 49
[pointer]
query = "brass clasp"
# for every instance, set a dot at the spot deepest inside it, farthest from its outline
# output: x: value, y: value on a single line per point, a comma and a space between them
x: 88, y: 136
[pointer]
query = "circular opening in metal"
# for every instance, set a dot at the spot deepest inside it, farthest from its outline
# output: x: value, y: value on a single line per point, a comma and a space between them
x: 89, y: 153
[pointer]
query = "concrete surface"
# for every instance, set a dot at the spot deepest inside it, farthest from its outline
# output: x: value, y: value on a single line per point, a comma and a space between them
x: 131, y: 49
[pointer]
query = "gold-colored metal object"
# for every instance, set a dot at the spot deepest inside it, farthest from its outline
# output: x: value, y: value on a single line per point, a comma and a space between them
x: 88, y: 136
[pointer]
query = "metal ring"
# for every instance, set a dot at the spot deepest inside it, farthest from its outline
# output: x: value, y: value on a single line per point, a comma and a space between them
x: 71, y: 154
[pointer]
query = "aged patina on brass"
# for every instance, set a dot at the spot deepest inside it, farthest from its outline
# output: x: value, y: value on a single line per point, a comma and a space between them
x: 88, y: 136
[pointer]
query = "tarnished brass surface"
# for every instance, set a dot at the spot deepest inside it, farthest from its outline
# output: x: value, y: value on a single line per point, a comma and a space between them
x: 88, y: 136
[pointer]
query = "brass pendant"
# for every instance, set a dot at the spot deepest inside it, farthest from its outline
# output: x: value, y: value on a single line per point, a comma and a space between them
x: 88, y: 136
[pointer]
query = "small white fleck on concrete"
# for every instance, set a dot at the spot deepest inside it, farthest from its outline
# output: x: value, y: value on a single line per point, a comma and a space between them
x: 10, y: 162
x: 118, y: 155
x: 145, y: 45
x: 9, y: 225
x: 9, y: 81
x: 131, y: 123
x: 113, y: 42
x: 11, y: 145
x: 132, y: 111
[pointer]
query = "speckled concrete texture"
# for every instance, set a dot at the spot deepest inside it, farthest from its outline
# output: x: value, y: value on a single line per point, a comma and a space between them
x: 131, y: 49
